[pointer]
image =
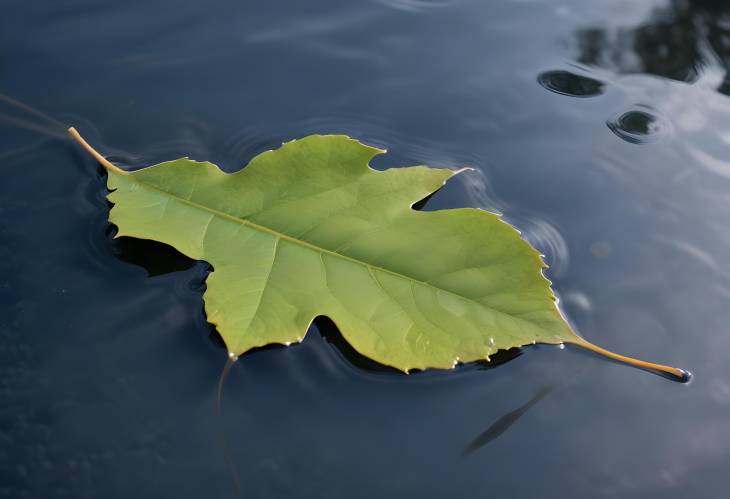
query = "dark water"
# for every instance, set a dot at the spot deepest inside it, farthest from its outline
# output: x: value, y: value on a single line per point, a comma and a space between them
x: 600, y: 129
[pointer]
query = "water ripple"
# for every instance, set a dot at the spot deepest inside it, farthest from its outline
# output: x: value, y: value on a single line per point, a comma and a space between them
x: 417, y: 5
x: 546, y: 237
x: 640, y: 125
x: 480, y: 192
x: 570, y: 84
x: 710, y: 162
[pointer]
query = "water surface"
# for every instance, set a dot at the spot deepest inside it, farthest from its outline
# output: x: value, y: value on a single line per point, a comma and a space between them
x: 600, y: 129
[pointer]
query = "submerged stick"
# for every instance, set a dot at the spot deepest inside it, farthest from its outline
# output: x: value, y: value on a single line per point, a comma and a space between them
x: 504, y: 423
x: 222, y: 440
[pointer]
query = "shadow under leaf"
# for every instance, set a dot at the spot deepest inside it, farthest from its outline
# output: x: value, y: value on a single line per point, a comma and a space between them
x: 155, y: 257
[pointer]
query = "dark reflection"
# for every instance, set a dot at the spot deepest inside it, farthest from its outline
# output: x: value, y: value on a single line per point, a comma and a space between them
x: 505, y: 422
x: 332, y: 334
x: 215, y: 337
x: 420, y: 205
x: 499, y: 358
x: 670, y: 43
x: 638, y: 126
x: 155, y: 257
x: 567, y: 83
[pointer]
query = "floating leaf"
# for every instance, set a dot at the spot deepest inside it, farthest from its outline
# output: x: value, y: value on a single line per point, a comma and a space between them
x: 310, y: 229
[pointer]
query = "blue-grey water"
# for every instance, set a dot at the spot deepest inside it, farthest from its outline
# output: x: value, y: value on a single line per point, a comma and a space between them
x: 599, y: 129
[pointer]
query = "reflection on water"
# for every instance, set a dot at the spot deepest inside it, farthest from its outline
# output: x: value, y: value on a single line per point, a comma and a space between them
x: 670, y: 43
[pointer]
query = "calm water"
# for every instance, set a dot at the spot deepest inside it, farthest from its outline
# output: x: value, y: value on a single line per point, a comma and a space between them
x: 600, y: 129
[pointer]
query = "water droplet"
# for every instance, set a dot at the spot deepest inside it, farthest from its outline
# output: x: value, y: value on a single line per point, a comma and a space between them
x: 639, y: 125
x: 571, y: 84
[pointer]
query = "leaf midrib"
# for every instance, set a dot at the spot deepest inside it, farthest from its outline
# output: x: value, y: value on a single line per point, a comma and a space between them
x: 314, y: 247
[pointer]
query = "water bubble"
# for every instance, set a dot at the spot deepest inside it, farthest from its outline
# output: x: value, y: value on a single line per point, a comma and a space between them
x: 639, y: 125
x: 571, y: 84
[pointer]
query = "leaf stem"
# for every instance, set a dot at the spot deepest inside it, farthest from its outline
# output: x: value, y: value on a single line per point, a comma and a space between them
x: 101, y: 159
x: 677, y: 373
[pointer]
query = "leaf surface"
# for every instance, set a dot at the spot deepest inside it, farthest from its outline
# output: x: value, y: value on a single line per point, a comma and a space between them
x: 310, y: 229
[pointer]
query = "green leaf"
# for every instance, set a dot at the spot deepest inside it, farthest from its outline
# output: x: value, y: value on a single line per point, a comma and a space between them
x: 310, y: 229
